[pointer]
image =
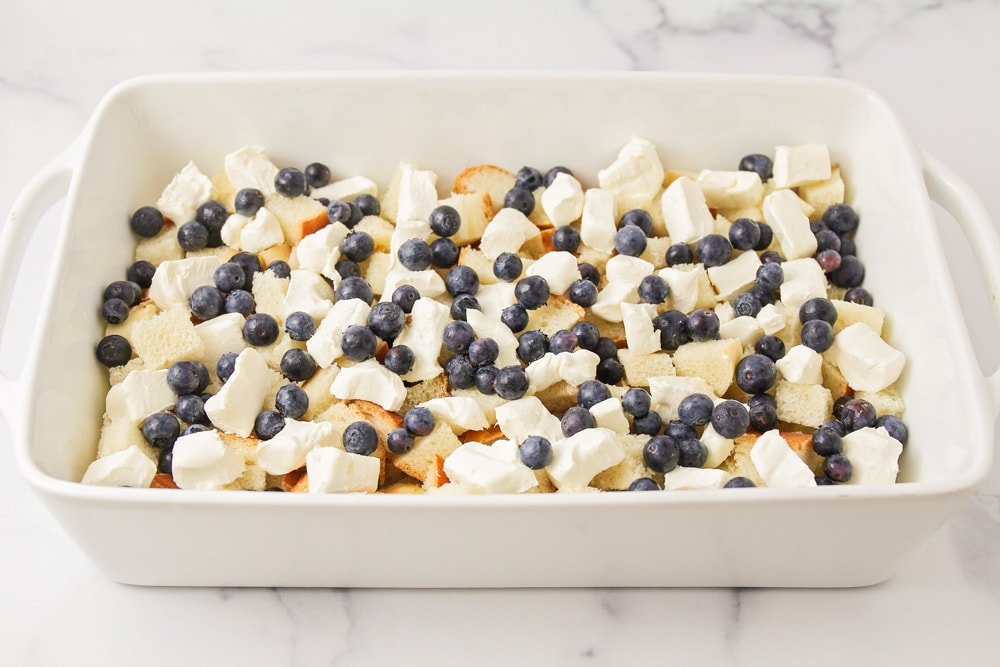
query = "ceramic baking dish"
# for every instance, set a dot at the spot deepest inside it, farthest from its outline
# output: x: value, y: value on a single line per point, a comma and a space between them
x: 146, y: 129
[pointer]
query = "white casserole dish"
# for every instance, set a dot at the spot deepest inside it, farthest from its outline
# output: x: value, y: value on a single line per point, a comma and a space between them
x: 146, y: 129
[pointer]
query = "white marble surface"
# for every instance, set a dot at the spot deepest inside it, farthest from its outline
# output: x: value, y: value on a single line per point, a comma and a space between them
x: 937, y: 62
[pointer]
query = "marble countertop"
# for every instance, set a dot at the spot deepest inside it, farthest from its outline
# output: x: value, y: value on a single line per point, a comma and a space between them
x: 937, y: 63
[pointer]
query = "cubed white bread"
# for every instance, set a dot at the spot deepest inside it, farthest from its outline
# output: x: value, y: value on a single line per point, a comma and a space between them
x: 613, y: 330
x: 222, y: 253
x: 317, y: 388
x: 849, y: 313
x: 834, y: 380
x: 379, y: 229
x: 598, y: 258
x: 485, y: 179
x: 558, y: 398
x: 640, y: 367
x: 803, y: 404
x: 160, y: 248
x: 253, y: 478
x: 886, y: 402
x: 118, y: 373
x: 739, y: 463
x: 144, y: 310
x: 823, y: 194
x: 475, y: 210
x: 632, y: 467
x: 269, y: 293
x: 225, y: 193
x: 165, y: 338
x: 656, y: 251
x: 488, y: 402
x: 714, y: 360
x: 298, y: 216
x: 119, y: 435
x: 436, y: 387
x: 478, y: 262
x: 281, y: 252
x: 375, y: 269
x: 344, y: 413
x: 420, y: 460
x: 559, y: 313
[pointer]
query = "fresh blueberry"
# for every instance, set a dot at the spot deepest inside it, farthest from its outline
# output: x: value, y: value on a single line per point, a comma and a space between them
x: 828, y: 260
x: 577, y: 419
x: 146, y: 222
x: 225, y: 366
x: 838, y: 408
x: 640, y: 218
x: 297, y: 365
x: 770, y: 276
x: 590, y: 393
x: 818, y: 335
x: 562, y: 341
x: 857, y: 413
x: 536, y: 452
x: 817, y: 226
x: 461, y: 280
x: 483, y: 352
x: 515, y: 317
x: 532, y: 345
x: 192, y: 236
x: 444, y: 253
x: 486, y: 377
x: 229, y: 276
x: 141, y: 273
x: 747, y: 305
x: 161, y: 430
x: 386, y: 320
x: 260, y: 330
x: 847, y: 247
x: 291, y: 401
x: 763, y: 410
x: 458, y: 336
x: 841, y: 218
x: 300, y: 326
x: 212, y: 215
x: 355, y: 287
x: 636, y: 401
x: 693, y: 453
x: 566, y: 239
x: 673, y: 328
x: 462, y: 303
x: 127, y: 291
x: 360, y: 438
x: 520, y: 199
x: 165, y: 461
x: 744, y: 234
x: 730, y: 419
x: 187, y: 377
x: 290, y: 182
x: 589, y: 272
x: 630, y: 240
x: 826, y: 441
x: 851, y: 272
x: 340, y: 211
x: 359, y: 343
x: 399, y: 441
x: 771, y: 257
x: 348, y: 268
x: 399, y: 359
x: 405, y: 296
x: 644, y: 484
x: 755, y: 373
x: 763, y: 298
x: 248, y: 201
x: 587, y: 334
x: 757, y: 162
x: 606, y: 348
x: 695, y: 409
x: 207, y: 302
x: 766, y: 236
x: 250, y: 263
x: 679, y: 253
x: 191, y: 409
x: 369, y: 205
x: 240, y: 301
x: 268, y: 424
x: 703, y: 325
x: 739, y: 482
x: 532, y: 292
x: 838, y: 468
x: 648, y: 424
x: 419, y: 421
x: 511, y: 383
x: 359, y: 246
x: 583, y: 293
x: 714, y: 250
x: 770, y: 346
x: 445, y: 221
x: 415, y: 254
x: 827, y: 240
x: 817, y: 308
x: 529, y: 178
x: 460, y: 371
x: 678, y: 430
x: 610, y: 371
x: 114, y: 311
x: 317, y: 175
x: 661, y: 453
x: 859, y: 295
x: 653, y: 289
x: 551, y: 174
x: 895, y: 426
x: 507, y: 267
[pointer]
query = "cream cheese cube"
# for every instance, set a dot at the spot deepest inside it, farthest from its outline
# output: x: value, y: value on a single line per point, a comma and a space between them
x: 496, y: 468
x: 578, y: 366
x: 346, y: 189
x: 744, y: 328
x: 422, y: 335
x: 804, y: 280
x: 559, y: 269
x: 874, y: 456
x: 176, y: 279
x: 236, y: 405
x: 490, y: 326
x: 428, y: 282
x: 635, y: 176
x: 598, y: 223
x: 201, y: 461
x: 562, y: 201
x: 417, y: 193
x: 734, y: 276
x: 777, y: 464
x: 507, y: 232
x: 731, y: 189
x: 795, y: 165
x: 314, y: 250
x: 543, y: 372
x: 129, y: 467
x: 249, y: 167
x: 325, y: 345
x: 782, y: 211
x: 639, y: 332
x: 683, y: 287
x: 867, y: 362
x: 685, y: 211
x: 527, y: 416
x: 771, y: 318
x: 695, y: 479
x: 609, y: 414
x: 220, y: 335
x: 261, y: 232
x: 332, y: 470
x: 719, y: 447
x: 287, y: 450
x: 139, y: 395
x: 802, y: 365
x: 578, y: 458
x: 667, y: 391
x: 459, y: 412
x: 187, y: 190
x: 232, y: 230
x: 307, y: 292
x: 370, y: 381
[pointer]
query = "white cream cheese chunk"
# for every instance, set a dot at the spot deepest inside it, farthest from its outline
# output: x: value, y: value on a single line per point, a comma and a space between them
x: 777, y: 464
x: 325, y: 345
x: 559, y: 269
x: 623, y: 275
x: 507, y: 232
x: 562, y: 201
x: 332, y: 470
x: 542, y: 372
x: 201, y: 461
x: 731, y: 189
x: 370, y: 381
x: 685, y: 211
x: 734, y: 276
x: 771, y: 318
x: 636, y: 175
x: 802, y: 365
x: 262, y: 232
x: 139, y: 395
x: 576, y: 459
x: 249, y: 167
x: 496, y: 468
x: 578, y: 366
x: 129, y: 467
x: 187, y: 190
x: 597, y: 224
x: 494, y: 298
x: 417, y: 193
x: 346, y: 189
x: 804, y: 280
x: 642, y: 338
x: 527, y: 416
x: 221, y: 335
x: 683, y: 287
x: 790, y: 225
x: 232, y: 230
x: 695, y: 479
x: 459, y: 412
x: 795, y: 165
x: 867, y: 362
x: 490, y: 326
x: 667, y: 391
x: 176, y: 279
x: 609, y: 414
x: 314, y: 251
x: 744, y: 327
x: 719, y: 447
x: 287, y: 450
x: 422, y: 335
x: 428, y: 282
x: 309, y: 293
x: 235, y: 407
x: 874, y: 456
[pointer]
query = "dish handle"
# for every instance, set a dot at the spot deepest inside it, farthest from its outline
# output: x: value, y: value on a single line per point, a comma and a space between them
x: 41, y: 193
x: 948, y: 190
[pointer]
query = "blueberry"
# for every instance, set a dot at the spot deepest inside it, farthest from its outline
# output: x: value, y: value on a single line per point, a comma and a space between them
x: 606, y: 348
x: 895, y: 426
x: 817, y: 308
x: 763, y: 410
x: 240, y: 301
x: 841, y: 218
x: 415, y: 254
x: 818, y: 335
x: 207, y: 302
x: 291, y: 401
x: 462, y: 303
x: 636, y: 402
x: 444, y: 253
x: 146, y: 222
x: 192, y: 236
x: 229, y: 276
x: 648, y: 424
x: 847, y: 247
x: 340, y: 211
x: 763, y: 298
x: 562, y: 341
x: 583, y: 293
x: 679, y: 253
x: 297, y: 365
x: 250, y: 263
x: 317, y: 175
x: 766, y: 236
x: 212, y: 215
x: 551, y: 174
x: 851, y: 272
x: 114, y: 311
x: 695, y: 409
x: 757, y: 162
x: 630, y: 240
x: 823, y: 480
x: 268, y: 424
x: 747, y: 305
x: 827, y: 240
x: 739, y: 482
x: 678, y: 430
x: 589, y: 272
x: 532, y: 345
x: 515, y: 317
x: 536, y: 452
x: 355, y: 287
x: 828, y: 260
x: 359, y: 343
x: 300, y: 326
x: 511, y: 383
x: 460, y: 371
x: 486, y: 377
x: 744, y: 234
x: 771, y: 347
x: 507, y: 267
x: 187, y: 377
x: 445, y: 221
x: 399, y: 359
x: 399, y: 441
x: 532, y: 292
x: 368, y: 204
x: 225, y: 366
x: 458, y: 336
x: 347, y: 268
x: 161, y: 430
x: 714, y: 250
x: 405, y: 296
x: 838, y: 407
x: 644, y: 484
x: 165, y: 461
x: 653, y: 289
x: 141, y: 273
x: 838, y: 468
x: 755, y: 373
x: 248, y: 201
x: 359, y: 246
x: 576, y: 419
x: 290, y: 182
x: 859, y: 295
x: 730, y: 419
x: 529, y: 178
x: 703, y: 325
x: 826, y: 441
x: 693, y: 453
x: 566, y: 239
x: 638, y: 217
x: 661, y: 453
x: 770, y: 276
x: 461, y: 280
x: 610, y: 371
x: 260, y: 329
x: 360, y: 438
x: 817, y: 226
x: 386, y: 320
x: 127, y: 291
x: 419, y: 421
x: 520, y: 199
x: 857, y: 413
x: 587, y: 335
x: 673, y: 328
x: 590, y: 393
x: 834, y: 424
x: 483, y: 352
x: 191, y: 408
x: 770, y: 257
